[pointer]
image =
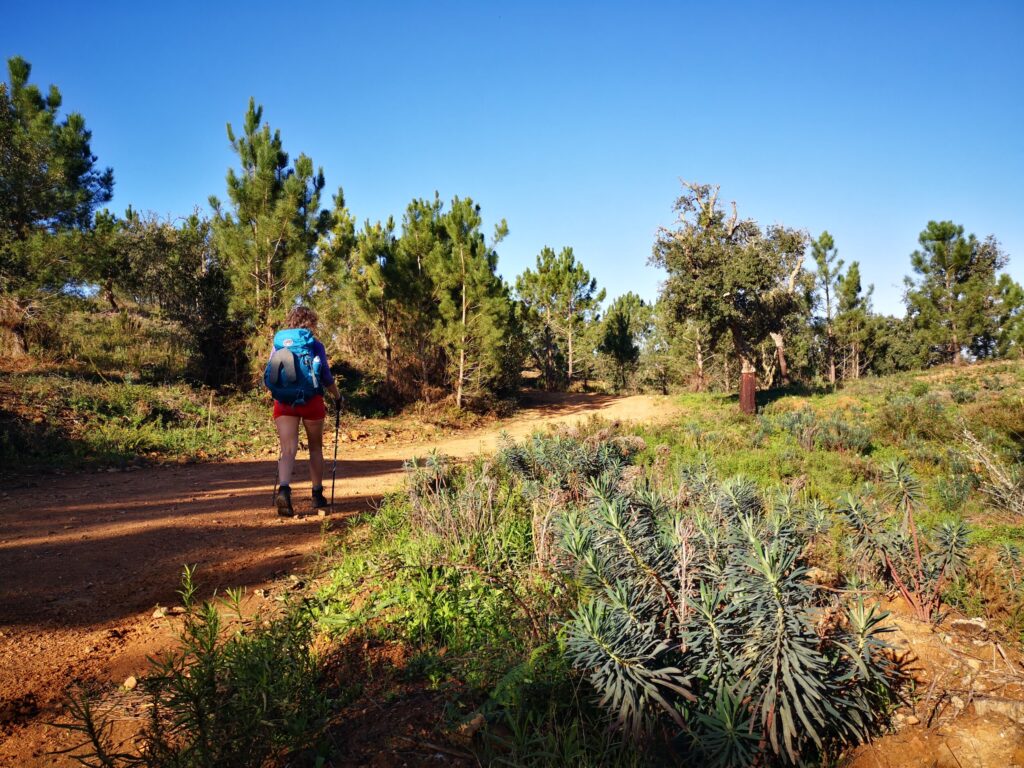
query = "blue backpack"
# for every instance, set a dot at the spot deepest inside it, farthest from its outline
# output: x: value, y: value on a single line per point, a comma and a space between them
x: 293, y: 373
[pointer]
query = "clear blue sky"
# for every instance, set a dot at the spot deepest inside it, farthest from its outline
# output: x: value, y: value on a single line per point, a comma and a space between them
x: 575, y: 121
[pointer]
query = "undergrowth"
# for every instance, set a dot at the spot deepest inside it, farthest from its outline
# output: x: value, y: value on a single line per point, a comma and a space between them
x: 236, y: 692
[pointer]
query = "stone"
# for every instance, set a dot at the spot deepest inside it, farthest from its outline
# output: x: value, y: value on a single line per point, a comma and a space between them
x: 1011, y: 710
x: 130, y: 683
x: 969, y: 627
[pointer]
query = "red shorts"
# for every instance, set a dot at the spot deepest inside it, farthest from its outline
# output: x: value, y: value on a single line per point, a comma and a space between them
x: 313, y: 409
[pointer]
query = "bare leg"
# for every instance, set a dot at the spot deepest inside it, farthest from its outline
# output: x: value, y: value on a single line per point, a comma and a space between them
x: 288, y: 437
x: 315, y: 436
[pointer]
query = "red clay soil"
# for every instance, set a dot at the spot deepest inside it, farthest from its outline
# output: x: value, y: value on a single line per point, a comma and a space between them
x: 85, y: 560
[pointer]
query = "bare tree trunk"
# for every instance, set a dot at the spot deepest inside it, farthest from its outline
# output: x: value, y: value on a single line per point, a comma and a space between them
x: 957, y: 359
x: 769, y: 365
x: 780, y: 348
x: 700, y: 365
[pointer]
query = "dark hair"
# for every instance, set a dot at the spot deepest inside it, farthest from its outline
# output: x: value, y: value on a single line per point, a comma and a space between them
x: 301, y: 317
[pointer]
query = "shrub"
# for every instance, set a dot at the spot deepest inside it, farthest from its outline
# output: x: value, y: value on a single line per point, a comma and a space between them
x: 697, y: 617
x: 563, y: 464
x: 832, y: 433
x: 961, y: 394
x: 907, y: 416
x: 225, y: 697
x: 1001, y: 483
x: 914, y: 564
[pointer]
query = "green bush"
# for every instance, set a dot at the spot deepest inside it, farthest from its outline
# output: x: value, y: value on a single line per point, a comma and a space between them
x: 831, y: 433
x: 226, y: 696
x: 903, y: 417
x: 698, y: 617
x: 918, y: 566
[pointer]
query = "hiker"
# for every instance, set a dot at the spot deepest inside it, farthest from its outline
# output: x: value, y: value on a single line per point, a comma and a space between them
x: 297, y: 375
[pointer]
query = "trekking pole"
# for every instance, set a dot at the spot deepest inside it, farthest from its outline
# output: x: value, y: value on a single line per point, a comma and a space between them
x: 337, y: 428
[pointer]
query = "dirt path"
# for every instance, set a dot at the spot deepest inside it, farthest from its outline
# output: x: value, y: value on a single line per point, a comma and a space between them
x: 84, y: 560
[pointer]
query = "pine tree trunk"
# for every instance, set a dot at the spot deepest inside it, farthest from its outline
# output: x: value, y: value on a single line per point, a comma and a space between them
x: 831, y: 346
x: 462, y: 369
x: 108, y: 292
x: 569, y: 384
x: 957, y: 358
x: 462, y: 344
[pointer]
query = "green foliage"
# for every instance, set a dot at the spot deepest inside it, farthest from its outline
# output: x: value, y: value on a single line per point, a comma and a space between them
x: 624, y: 333
x: 426, y: 307
x: 560, y: 300
x: 266, y: 240
x: 536, y: 717
x: 952, y: 301
x: 66, y: 421
x: 226, y: 696
x: 906, y: 416
x: 702, y: 615
x: 48, y: 174
x: 919, y: 567
x: 49, y: 187
x: 564, y: 465
x: 828, y: 280
x: 473, y: 304
x: 835, y: 432
x: 727, y: 273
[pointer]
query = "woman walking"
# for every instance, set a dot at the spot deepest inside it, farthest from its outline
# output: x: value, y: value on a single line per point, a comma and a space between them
x: 312, y: 414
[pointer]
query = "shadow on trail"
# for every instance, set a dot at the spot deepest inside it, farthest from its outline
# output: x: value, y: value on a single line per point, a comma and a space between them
x: 555, y: 404
x: 95, y: 549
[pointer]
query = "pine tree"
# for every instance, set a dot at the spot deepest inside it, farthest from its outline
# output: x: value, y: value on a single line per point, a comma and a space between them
x: 852, y: 326
x: 374, y: 281
x: 563, y: 297
x: 626, y: 326
x: 659, y: 358
x: 48, y: 174
x: 267, y: 240
x: 474, y: 305
x: 422, y: 243
x: 329, y: 289
x: 951, y: 300
x: 827, y: 277
x: 49, y: 187
x: 1010, y: 318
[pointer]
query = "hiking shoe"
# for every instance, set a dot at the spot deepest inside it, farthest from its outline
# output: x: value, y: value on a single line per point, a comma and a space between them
x: 319, y: 501
x: 283, y: 501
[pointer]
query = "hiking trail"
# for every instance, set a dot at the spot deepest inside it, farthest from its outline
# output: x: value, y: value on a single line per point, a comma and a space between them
x: 86, y: 559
